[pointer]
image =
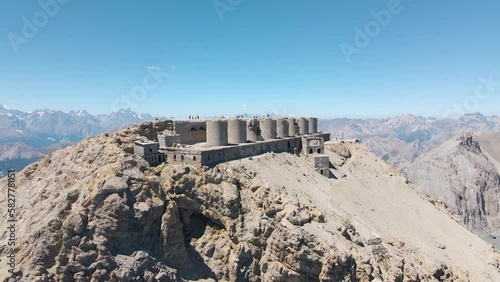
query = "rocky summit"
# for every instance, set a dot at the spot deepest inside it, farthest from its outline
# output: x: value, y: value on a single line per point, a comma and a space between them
x: 96, y: 212
x: 464, y: 174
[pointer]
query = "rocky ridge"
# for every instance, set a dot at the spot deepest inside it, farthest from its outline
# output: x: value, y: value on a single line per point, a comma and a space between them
x: 464, y: 174
x: 96, y: 212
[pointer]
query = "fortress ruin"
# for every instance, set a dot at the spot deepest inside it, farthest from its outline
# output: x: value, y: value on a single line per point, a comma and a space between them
x: 211, y: 142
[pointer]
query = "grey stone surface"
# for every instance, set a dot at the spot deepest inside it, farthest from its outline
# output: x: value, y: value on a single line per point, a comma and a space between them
x: 217, y: 133
x: 268, y: 129
x: 237, y: 131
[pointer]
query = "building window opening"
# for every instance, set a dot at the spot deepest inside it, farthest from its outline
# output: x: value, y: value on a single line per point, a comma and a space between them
x: 319, y: 151
x: 182, y: 157
x: 175, y: 157
x: 150, y: 150
x: 311, y: 151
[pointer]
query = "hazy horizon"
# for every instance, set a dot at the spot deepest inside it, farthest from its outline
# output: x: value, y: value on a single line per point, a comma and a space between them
x: 165, y: 115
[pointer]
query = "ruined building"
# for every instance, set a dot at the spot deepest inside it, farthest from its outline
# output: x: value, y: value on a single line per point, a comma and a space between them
x: 211, y: 142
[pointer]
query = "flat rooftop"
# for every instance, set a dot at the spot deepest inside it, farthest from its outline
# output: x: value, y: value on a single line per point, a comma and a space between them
x: 142, y: 142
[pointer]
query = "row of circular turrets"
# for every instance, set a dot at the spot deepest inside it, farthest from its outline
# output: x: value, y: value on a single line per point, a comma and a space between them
x: 238, y: 131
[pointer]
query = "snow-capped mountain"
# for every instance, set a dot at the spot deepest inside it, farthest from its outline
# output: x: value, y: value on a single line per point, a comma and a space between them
x: 42, y: 128
x: 46, y: 130
x: 123, y: 118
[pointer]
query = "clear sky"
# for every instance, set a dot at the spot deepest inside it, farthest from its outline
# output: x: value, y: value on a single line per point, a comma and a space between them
x: 205, y: 57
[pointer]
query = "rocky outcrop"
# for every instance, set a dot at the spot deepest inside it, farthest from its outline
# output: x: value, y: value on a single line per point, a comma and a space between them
x: 461, y: 175
x: 95, y: 212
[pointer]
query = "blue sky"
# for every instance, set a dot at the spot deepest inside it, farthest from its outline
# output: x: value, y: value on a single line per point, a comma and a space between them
x: 256, y: 56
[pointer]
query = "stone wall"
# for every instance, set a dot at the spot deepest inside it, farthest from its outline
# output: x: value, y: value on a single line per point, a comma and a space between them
x: 146, y: 149
x: 192, y: 132
x: 313, y: 145
x: 321, y: 164
x: 212, y: 157
x: 225, y: 154
x: 155, y: 159
x: 183, y: 156
x: 150, y: 130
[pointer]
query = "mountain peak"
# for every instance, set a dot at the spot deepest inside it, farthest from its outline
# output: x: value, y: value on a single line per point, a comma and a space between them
x: 476, y: 114
x: 132, y: 113
x: 469, y: 142
x: 461, y: 174
x: 473, y: 116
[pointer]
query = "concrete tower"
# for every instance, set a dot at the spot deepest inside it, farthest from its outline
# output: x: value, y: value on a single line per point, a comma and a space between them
x: 217, y: 133
x: 292, y: 127
x: 237, y: 131
x: 303, y: 126
x: 253, y: 130
x: 282, y: 128
x: 313, y: 125
x: 268, y: 128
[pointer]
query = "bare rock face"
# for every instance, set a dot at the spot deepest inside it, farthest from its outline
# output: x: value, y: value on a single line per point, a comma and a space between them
x: 95, y: 212
x: 90, y: 212
x: 465, y: 179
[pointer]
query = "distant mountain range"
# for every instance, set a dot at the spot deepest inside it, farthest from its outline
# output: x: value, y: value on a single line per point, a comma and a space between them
x: 26, y: 136
x: 400, y: 140
x: 46, y: 127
